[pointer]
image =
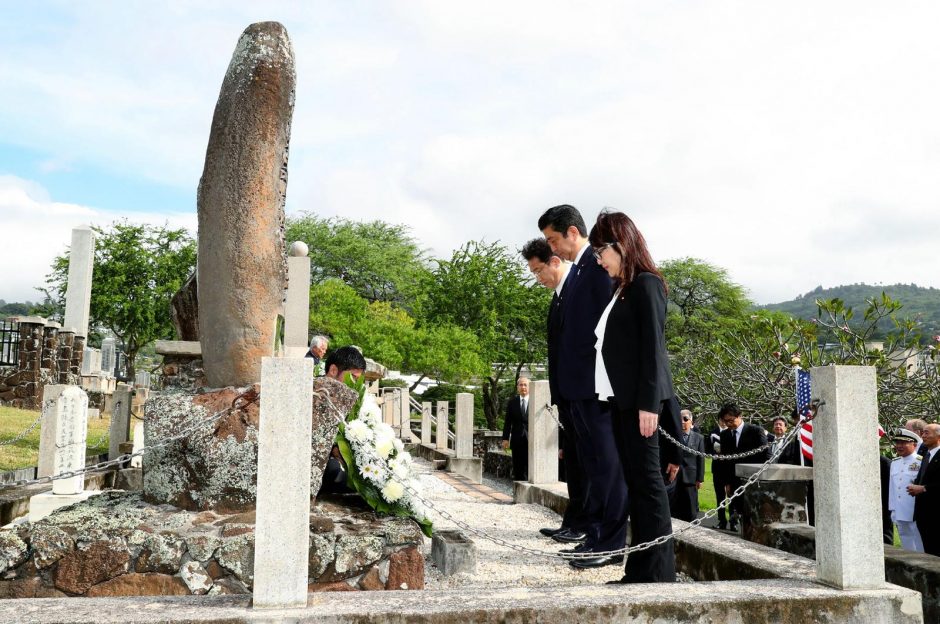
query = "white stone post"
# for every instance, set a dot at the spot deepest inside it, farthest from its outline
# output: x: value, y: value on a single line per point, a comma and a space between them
x: 47, y: 429
x: 395, y: 399
x: 404, y: 402
x: 70, y: 433
x: 426, y: 417
x: 297, y: 304
x: 463, y: 426
x: 78, y: 290
x: 120, y: 428
x: 543, y: 436
x: 138, y: 461
x: 849, y: 551
x: 282, y: 514
x: 443, y: 426
x: 388, y: 416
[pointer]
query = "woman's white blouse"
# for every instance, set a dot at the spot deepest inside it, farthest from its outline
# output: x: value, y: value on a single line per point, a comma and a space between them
x: 601, y: 380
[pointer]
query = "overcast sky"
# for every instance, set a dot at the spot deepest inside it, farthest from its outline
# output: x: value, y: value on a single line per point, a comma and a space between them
x: 792, y: 143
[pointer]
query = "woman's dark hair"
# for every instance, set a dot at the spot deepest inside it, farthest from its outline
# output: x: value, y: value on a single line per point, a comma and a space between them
x: 618, y: 228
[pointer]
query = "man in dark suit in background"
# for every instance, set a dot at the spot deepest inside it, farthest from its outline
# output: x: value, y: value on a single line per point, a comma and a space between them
x: 589, y: 290
x: 684, y: 500
x: 516, y: 430
x: 552, y: 272
x: 926, y: 490
x: 738, y: 437
x: 713, y: 447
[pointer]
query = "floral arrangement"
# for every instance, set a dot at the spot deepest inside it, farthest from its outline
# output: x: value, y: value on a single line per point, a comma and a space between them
x: 378, y: 467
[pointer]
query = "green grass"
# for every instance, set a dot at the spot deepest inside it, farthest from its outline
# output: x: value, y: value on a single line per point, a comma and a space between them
x: 706, y: 495
x: 25, y: 452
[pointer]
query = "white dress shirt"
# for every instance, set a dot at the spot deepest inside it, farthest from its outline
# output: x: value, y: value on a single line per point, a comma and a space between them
x: 601, y: 381
x: 564, y: 276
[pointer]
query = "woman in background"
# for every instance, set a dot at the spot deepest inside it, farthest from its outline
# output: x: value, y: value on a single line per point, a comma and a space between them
x: 632, y: 373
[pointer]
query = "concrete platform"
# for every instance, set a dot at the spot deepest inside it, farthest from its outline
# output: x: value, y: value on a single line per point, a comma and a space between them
x: 788, y: 601
x: 41, y: 505
x: 554, y: 496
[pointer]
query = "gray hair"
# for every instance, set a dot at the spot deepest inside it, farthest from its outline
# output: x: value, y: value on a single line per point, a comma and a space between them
x: 916, y: 425
x: 319, y: 340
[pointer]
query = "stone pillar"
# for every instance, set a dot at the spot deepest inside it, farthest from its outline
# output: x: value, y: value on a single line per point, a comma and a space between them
x: 387, y: 415
x: 404, y: 402
x: 138, y: 462
x: 463, y: 426
x: 71, y: 424
x: 50, y: 349
x: 297, y: 304
x: 282, y: 524
x: 119, y: 430
x: 426, y: 417
x: 846, y: 477
x: 78, y: 352
x: 47, y: 429
x: 66, y: 340
x: 240, y: 203
x: 442, y: 425
x: 78, y: 289
x: 71, y: 428
x: 28, y: 390
x: 108, y: 357
x: 543, y: 436
x: 395, y: 399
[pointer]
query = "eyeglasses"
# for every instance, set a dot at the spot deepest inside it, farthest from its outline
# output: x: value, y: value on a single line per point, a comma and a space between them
x: 598, y: 251
x: 686, y: 420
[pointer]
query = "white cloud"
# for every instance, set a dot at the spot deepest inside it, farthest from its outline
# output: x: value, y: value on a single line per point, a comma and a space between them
x: 795, y: 144
x: 36, y: 229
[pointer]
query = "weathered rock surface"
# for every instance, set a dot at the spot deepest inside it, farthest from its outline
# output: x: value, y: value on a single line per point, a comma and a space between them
x: 241, y: 264
x: 184, y: 311
x: 116, y: 544
x: 214, y: 466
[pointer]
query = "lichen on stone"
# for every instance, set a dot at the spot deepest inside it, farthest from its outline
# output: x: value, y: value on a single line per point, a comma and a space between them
x: 13, y: 550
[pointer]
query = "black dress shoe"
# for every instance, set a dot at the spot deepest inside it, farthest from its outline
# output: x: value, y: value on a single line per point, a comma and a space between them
x: 577, y: 549
x: 722, y: 526
x: 569, y: 537
x: 620, y: 581
x: 549, y: 532
x: 596, y: 562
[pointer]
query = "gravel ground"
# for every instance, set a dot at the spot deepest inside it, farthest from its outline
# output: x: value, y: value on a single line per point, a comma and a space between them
x: 497, y: 566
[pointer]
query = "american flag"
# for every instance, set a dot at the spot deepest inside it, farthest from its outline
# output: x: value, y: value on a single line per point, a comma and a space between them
x: 803, y: 394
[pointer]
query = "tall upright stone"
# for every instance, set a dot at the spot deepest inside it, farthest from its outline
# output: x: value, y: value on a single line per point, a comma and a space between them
x: 78, y: 290
x: 297, y: 303
x: 543, y: 436
x: 47, y: 429
x: 849, y: 552
x: 241, y: 264
x: 426, y: 418
x: 463, y: 426
x: 120, y: 428
x: 71, y: 429
x: 442, y: 425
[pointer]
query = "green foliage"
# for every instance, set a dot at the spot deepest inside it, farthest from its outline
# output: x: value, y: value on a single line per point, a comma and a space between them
x: 921, y: 304
x: 137, y: 270
x: 388, y: 334
x: 16, y: 309
x: 485, y: 289
x: 380, y: 261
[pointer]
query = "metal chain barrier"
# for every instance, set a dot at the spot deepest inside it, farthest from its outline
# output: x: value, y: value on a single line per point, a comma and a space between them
x: 610, y: 553
x: 128, y: 456
x: 23, y: 433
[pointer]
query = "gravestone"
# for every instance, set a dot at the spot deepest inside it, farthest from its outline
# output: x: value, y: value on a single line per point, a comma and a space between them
x: 78, y: 289
x: 120, y: 427
x: 241, y: 264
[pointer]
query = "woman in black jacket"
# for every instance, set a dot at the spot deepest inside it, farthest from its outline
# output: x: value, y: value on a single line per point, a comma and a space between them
x: 632, y: 373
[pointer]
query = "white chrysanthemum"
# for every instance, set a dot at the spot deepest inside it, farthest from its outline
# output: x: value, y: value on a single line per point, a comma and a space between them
x: 383, y: 445
x: 392, y: 491
x: 358, y: 431
x: 399, y: 468
x: 384, y: 430
x: 399, y: 445
x: 370, y: 410
x: 373, y: 472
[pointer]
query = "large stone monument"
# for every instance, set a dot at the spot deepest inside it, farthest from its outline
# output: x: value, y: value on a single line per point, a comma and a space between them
x: 241, y: 264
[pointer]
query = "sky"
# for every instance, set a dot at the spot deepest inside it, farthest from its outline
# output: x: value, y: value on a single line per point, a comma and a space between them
x: 793, y: 144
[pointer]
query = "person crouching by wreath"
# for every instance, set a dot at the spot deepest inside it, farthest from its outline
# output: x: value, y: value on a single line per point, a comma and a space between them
x: 632, y: 373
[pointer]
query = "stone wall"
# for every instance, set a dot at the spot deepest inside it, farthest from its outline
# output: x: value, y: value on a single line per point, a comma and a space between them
x: 46, y: 356
x: 497, y: 464
x: 115, y: 544
x: 485, y: 441
x: 182, y: 372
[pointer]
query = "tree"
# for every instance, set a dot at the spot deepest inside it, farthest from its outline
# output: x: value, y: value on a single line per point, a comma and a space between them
x: 137, y: 269
x: 389, y: 335
x: 704, y: 304
x: 485, y: 289
x: 379, y: 260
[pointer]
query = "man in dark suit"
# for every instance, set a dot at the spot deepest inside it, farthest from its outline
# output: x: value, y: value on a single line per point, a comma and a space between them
x: 684, y: 501
x: 516, y: 430
x: 738, y: 437
x: 552, y: 272
x: 713, y: 447
x: 926, y: 490
x: 588, y: 291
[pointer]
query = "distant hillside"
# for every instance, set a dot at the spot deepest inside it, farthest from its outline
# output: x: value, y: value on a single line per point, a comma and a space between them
x: 918, y: 302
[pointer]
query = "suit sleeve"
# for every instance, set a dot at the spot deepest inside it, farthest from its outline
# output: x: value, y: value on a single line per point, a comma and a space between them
x: 507, y: 423
x: 649, y: 308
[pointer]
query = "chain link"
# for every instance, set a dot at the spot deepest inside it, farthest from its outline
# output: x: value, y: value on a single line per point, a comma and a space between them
x: 23, y: 433
x: 128, y: 456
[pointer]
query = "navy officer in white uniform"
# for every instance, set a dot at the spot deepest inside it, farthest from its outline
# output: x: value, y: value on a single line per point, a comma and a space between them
x: 904, y: 469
